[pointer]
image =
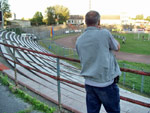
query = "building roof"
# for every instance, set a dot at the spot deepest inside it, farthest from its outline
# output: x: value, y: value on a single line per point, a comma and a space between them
x: 76, y: 17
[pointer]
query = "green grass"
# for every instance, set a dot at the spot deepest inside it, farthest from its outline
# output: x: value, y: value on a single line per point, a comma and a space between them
x: 133, y: 81
x: 62, y: 36
x: 135, y: 65
x: 133, y: 44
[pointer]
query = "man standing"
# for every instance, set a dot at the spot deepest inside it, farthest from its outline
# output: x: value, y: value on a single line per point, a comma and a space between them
x: 99, y: 66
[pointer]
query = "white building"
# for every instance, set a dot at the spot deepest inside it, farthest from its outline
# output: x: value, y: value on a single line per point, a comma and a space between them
x: 110, y: 19
x: 75, y: 20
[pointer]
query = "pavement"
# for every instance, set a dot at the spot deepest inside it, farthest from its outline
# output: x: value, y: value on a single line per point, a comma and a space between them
x: 9, y: 103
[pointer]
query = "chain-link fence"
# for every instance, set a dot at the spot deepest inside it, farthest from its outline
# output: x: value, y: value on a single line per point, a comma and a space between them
x: 135, y: 82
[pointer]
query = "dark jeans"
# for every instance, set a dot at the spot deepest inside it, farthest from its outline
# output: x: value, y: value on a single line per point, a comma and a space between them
x: 108, y: 96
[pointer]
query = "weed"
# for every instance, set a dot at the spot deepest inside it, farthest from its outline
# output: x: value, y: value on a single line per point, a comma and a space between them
x: 35, y: 103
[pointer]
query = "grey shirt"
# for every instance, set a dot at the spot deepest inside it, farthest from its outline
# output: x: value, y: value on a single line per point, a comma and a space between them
x: 98, y: 62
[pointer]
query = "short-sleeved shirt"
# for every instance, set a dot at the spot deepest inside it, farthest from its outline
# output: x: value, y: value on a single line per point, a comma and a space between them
x: 99, y: 65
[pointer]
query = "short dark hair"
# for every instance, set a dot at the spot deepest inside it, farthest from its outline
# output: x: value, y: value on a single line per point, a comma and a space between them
x: 92, y: 18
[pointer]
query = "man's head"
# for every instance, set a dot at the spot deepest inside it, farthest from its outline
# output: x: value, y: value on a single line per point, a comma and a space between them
x: 92, y: 18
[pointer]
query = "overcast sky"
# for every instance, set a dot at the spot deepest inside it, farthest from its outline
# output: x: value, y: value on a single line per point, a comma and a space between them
x: 27, y: 8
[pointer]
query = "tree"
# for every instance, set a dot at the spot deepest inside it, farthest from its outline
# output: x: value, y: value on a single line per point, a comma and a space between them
x: 50, y: 13
x: 148, y: 18
x: 6, y: 11
x: 37, y: 18
x: 139, y: 17
x: 56, y: 14
x: 62, y: 13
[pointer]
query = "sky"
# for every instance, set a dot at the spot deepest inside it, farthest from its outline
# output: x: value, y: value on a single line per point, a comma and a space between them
x: 27, y: 8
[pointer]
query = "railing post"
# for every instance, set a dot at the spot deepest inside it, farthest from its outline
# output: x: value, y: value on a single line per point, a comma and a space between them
x: 124, y: 76
x: 58, y: 84
x: 15, y: 70
x: 74, y: 53
x: 142, y: 83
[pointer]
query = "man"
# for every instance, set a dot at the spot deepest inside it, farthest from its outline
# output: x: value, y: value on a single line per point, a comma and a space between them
x: 123, y: 40
x: 99, y: 66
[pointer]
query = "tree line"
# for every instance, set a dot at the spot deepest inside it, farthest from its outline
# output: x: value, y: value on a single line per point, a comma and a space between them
x: 57, y: 14
x: 141, y: 17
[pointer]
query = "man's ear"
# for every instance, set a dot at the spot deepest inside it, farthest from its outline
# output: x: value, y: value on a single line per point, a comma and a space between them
x: 99, y: 23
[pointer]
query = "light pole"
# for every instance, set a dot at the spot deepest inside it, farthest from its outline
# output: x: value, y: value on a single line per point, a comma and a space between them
x: 89, y: 4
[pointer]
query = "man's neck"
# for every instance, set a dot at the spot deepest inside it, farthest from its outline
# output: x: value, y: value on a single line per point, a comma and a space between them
x: 98, y: 26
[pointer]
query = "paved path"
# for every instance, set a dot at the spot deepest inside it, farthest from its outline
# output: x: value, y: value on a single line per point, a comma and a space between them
x: 133, y: 57
x: 69, y: 42
x: 9, y: 103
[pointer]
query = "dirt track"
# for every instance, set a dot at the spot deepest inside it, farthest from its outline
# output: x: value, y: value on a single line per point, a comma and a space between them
x: 69, y: 42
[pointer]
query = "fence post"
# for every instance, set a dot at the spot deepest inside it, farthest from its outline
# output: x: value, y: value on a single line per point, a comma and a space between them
x: 124, y: 76
x: 15, y: 70
x: 142, y: 83
x: 58, y: 84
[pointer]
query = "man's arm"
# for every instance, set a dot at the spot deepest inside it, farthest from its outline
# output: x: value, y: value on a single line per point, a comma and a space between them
x: 118, y: 46
x: 114, y: 44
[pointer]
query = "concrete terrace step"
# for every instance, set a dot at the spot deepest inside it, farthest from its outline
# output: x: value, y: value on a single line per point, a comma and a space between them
x: 76, y: 100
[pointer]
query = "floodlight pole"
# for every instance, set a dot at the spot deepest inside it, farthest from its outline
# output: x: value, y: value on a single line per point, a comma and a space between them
x: 89, y: 5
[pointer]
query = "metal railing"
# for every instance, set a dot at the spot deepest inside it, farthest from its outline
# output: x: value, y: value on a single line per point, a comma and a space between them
x: 141, y: 86
x: 58, y: 77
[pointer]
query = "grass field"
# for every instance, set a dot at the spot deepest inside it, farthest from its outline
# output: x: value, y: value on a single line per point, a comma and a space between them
x: 135, y: 82
x: 133, y: 44
x: 130, y: 81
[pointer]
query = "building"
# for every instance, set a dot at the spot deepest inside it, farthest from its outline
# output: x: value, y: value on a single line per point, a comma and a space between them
x: 110, y: 19
x: 75, y: 20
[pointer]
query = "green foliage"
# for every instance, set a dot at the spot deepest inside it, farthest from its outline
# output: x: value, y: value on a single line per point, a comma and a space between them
x: 56, y: 14
x: 6, y: 10
x: 148, y: 18
x: 37, y: 19
x: 140, y: 17
x: 62, y: 13
x: 4, y: 80
x: 49, y: 16
x: 35, y: 103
